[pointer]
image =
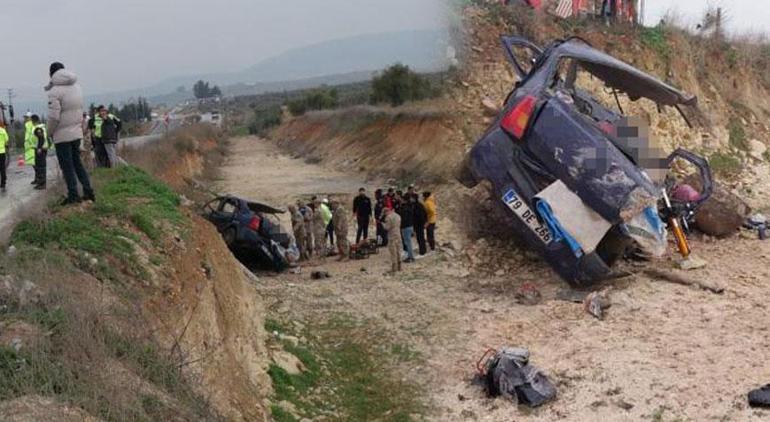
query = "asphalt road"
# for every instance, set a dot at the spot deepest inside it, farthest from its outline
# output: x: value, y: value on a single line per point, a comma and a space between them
x: 20, y: 197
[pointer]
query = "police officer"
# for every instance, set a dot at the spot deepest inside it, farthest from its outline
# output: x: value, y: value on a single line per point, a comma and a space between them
x: 40, y: 134
x: 3, y: 155
x: 29, y: 142
x: 95, y: 126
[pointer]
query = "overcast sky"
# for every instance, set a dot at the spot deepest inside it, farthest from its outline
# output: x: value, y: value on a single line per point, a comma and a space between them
x: 119, y: 44
x: 743, y: 15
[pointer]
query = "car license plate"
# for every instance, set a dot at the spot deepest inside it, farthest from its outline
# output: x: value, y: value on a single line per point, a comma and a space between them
x: 522, y: 210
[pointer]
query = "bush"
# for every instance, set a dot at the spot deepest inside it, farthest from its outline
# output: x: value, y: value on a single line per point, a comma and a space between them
x: 264, y: 119
x: 399, y: 84
x: 317, y: 99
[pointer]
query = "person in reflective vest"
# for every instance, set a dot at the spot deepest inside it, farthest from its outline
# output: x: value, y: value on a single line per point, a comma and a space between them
x: 95, y: 125
x: 3, y: 155
x: 29, y: 141
x: 41, y: 152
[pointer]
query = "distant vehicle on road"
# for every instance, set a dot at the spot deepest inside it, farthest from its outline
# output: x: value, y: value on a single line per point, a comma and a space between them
x: 252, y: 231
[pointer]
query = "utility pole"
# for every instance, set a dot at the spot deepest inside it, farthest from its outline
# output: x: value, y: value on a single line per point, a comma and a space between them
x: 11, y: 96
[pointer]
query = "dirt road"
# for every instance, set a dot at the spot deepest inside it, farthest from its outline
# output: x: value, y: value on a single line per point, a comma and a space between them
x: 663, y: 352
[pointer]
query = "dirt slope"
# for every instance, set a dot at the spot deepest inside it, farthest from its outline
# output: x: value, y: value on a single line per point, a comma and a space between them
x: 406, y: 143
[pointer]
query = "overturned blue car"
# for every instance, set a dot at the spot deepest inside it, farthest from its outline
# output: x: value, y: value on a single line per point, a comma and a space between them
x: 580, y: 181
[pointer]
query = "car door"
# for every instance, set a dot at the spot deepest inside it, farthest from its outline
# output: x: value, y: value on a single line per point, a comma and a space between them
x: 222, y: 216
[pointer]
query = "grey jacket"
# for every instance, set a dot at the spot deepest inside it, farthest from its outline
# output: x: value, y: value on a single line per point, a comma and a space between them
x: 65, y: 107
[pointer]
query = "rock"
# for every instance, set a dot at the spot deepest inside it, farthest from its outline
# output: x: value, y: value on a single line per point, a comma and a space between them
x: 491, y: 108
x: 288, y: 362
x: 690, y: 263
x: 722, y: 214
x: 185, y: 202
x: 11, y: 252
x: 528, y: 294
x: 623, y: 404
x: 757, y: 150
x: 500, y: 272
x: 291, y: 339
x: 595, y: 304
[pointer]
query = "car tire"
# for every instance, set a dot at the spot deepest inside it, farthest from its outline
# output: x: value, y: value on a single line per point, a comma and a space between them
x: 465, y: 174
x: 229, y: 236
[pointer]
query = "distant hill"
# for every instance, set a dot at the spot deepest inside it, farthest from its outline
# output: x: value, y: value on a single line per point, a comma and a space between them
x: 345, y: 60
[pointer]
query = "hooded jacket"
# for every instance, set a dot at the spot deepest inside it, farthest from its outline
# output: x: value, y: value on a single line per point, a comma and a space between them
x: 65, y: 107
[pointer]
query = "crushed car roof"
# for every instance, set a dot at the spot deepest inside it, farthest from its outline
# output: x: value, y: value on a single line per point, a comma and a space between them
x: 257, y: 206
x: 615, y: 73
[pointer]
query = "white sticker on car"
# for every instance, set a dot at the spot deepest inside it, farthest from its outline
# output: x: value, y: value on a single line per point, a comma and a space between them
x: 525, y: 214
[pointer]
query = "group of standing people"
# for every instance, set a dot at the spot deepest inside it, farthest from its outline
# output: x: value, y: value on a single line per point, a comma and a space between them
x: 66, y: 133
x: 403, y: 216
x: 315, y: 226
x: 62, y: 133
x: 399, y: 218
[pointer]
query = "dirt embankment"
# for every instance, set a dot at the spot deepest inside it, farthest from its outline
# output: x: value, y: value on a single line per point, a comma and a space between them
x: 410, y: 144
x: 132, y: 308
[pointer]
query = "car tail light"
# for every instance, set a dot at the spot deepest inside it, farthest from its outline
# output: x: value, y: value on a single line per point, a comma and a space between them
x: 516, y: 121
x: 254, y: 223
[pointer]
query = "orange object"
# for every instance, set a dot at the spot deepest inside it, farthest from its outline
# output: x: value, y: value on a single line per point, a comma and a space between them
x: 21, y: 161
x: 681, y: 239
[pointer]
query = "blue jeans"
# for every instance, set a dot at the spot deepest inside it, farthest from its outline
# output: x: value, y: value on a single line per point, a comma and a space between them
x: 68, y: 154
x: 406, y: 234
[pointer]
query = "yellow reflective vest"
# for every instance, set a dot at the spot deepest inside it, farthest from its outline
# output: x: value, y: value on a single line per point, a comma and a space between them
x: 3, y: 140
x: 30, y: 143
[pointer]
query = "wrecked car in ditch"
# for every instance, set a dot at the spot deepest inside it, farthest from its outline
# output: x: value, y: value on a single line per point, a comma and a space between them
x: 578, y: 182
x: 252, y: 231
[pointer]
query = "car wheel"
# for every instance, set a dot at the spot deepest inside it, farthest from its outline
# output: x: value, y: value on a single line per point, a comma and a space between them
x: 229, y: 236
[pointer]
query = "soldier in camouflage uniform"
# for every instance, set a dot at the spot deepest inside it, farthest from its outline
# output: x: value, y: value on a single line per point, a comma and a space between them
x: 300, y: 234
x: 319, y: 230
x: 307, y: 213
x: 340, y: 222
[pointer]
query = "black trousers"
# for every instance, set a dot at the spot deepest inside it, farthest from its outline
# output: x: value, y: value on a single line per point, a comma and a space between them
x: 431, y: 230
x: 100, y: 153
x: 382, y: 234
x: 419, y: 232
x: 3, y: 177
x: 363, y: 230
x: 41, y: 167
x: 330, y: 233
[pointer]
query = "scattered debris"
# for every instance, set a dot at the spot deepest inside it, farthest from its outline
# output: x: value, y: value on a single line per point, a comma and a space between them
x: 295, y: 270
x: 571, y: 295
x: 684, y: 280
x: 690, y: 263
x: 317, y: 275
x: 757, y: 222
x: 760, y: 397
x: 623, y: 404
x: 509, y: 374
x: 596, y: 302
x: 528, y: 294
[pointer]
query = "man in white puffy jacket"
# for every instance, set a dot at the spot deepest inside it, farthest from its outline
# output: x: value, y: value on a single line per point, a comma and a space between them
x: 65, y: 127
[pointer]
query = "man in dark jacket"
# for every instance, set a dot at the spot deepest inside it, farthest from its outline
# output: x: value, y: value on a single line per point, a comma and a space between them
x: 379, y: 217
x: 420, y: 220
x: 111, y: 127
x: 407, y: 212
x: 362, y: 210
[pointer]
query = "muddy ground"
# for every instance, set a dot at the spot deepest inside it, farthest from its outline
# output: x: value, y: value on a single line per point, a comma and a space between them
x: 663, y: 352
